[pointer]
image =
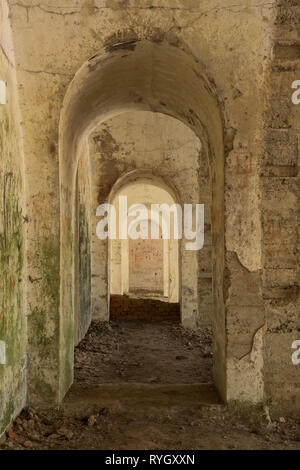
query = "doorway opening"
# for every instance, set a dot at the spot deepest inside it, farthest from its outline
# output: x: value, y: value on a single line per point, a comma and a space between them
x: 144, y: 271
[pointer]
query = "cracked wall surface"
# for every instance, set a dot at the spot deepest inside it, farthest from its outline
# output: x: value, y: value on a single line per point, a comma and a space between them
x: 280, y: 216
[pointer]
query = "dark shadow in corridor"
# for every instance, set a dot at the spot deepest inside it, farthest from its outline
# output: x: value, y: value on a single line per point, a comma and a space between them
x: 137, y: 308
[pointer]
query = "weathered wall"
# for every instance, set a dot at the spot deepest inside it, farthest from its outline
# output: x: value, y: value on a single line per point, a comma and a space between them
x: 145, y: 254
x: 12, y: 238
x: 280, y: 183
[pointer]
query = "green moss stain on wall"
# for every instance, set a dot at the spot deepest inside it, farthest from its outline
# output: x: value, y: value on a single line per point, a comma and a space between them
x: 44, y: 328
x: 83, y: 312
x: 84, y: 271
x: 12, y: 313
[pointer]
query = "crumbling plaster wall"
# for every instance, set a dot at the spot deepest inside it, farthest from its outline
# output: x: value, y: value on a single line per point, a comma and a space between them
x: 218, y: 35
x: 280, y: 183
x: 12, y: 238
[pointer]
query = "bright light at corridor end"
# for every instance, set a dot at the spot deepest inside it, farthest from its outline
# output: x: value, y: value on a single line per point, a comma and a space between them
x: 134, y: 222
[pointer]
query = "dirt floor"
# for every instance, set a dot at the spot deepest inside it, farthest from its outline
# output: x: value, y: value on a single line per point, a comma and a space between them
x: 146, y: 386
x: 143, y: 352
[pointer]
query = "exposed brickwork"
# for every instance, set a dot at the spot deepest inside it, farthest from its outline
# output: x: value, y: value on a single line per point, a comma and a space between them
x: 280, y: 206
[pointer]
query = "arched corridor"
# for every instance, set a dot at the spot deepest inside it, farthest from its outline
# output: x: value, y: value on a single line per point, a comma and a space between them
x: 147, y: 276
x: 121, y: 119
x: 73, y: 144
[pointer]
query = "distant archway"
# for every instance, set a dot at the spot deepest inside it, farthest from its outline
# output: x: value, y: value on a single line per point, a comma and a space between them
x: 141, y: 186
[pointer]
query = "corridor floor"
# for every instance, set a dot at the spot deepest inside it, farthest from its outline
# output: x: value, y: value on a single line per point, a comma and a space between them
x: 143, y: 352
x: 142, y: 385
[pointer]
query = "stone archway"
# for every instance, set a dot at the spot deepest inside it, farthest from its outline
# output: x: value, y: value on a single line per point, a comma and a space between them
x: 138, y: 76
x: 143, y: 185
